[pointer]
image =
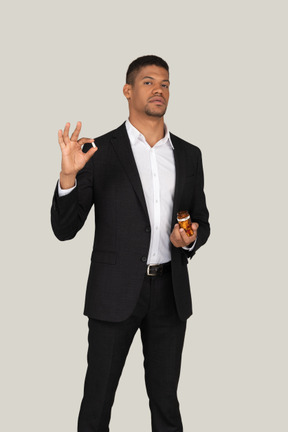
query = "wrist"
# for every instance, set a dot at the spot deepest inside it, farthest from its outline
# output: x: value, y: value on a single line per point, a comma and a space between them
x: 67, y: 181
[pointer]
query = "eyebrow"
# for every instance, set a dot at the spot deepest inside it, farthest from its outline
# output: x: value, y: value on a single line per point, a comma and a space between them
x: 166, y: 80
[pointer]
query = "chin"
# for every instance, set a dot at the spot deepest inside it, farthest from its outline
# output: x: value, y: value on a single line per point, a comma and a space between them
x: 155, y: 113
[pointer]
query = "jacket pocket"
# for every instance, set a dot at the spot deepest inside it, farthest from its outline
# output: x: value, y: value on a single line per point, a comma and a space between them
x: 105, y: 257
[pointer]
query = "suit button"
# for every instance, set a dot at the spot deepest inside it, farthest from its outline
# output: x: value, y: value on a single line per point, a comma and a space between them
x: 148, y: 229
x: 144, y: 259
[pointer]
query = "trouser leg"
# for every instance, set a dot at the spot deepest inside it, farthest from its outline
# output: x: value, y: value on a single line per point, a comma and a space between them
x: 162, y: 335
x: 109, y: 344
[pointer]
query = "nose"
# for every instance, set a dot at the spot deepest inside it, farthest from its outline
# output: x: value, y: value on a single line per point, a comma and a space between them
x: 157, y: 89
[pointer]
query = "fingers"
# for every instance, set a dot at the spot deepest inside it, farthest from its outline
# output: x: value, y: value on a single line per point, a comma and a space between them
x: 179, y: 238
x: 194, y: 227
x: 184, y: 238
x: 75, y: 134
x: 60, y: 139
x: 63, y: 136
x: 90, y: 153
x: 176, y: 237
x: 192, y: 238
x: 187, y: 239
x: 66, y: 133
x: 176, y: 233
x: 83, y: 141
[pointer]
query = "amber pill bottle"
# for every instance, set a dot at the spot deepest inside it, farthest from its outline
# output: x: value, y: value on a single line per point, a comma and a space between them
x: 184, y: 220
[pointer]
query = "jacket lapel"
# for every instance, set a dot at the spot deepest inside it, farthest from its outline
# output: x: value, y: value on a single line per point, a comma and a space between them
x: 122, y: 147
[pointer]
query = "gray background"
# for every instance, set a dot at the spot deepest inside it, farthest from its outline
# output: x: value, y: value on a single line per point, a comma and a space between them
x: 66, y: 61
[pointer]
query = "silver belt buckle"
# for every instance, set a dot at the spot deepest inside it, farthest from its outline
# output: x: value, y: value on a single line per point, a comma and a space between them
x: 148, y: 271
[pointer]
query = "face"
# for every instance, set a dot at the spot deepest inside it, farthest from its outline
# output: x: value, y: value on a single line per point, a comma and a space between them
x: 149, y: 94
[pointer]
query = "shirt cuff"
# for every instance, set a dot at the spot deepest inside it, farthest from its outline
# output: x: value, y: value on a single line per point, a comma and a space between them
x: 192, y: 247
x: 63, y: 192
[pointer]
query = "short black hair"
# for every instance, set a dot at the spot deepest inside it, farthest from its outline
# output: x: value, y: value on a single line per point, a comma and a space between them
x: 147, y: 60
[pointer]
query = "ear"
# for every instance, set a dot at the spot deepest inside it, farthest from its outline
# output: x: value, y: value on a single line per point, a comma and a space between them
x: 127, y: 91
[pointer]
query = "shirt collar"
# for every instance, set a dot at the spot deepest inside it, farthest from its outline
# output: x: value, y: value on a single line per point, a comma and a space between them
x: 135, y: 135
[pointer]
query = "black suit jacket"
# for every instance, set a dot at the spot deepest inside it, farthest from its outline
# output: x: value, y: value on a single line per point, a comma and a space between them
x: 111, y: 182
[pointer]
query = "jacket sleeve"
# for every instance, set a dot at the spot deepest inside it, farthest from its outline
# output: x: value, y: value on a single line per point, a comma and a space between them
x: 69, y: 212
x: 199, y: 212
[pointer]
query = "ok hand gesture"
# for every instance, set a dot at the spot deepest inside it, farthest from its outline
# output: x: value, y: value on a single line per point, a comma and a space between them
x: 73, y: 159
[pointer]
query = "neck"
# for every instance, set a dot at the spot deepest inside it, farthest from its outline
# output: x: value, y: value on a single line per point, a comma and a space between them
x: 151, y: 127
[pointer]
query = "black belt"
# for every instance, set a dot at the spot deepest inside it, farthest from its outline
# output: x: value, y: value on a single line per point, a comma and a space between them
x: 158, y: 269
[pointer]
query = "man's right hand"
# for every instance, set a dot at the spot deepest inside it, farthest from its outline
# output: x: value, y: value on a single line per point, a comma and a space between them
x: 73, y: 159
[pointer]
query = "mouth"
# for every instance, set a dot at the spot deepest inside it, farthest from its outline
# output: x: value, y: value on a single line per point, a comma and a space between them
x: 157, y: 100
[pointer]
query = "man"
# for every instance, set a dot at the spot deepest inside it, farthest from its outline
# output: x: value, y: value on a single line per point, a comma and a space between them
x: 137, y: 177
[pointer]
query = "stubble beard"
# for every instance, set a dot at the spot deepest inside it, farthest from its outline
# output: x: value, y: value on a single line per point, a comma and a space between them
x: 152, y: 113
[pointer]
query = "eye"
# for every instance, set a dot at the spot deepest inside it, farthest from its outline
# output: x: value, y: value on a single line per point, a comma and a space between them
x: 147, y: 82
x: 165, y: 86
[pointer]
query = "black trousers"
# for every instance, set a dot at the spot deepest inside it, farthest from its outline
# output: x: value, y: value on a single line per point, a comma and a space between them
x: 162, y: 335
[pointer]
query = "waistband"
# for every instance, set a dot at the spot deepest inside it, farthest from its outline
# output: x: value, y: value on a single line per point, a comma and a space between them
x: 158, y: 269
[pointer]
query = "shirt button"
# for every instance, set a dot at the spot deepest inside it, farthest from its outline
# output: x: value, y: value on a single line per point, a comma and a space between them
x: 144, y: 259
x: 148, y: 229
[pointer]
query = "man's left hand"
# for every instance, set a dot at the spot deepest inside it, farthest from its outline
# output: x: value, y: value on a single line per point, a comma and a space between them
x: 179, y: 238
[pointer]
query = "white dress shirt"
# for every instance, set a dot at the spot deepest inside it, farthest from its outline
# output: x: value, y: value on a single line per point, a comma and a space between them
x: 156, y: 167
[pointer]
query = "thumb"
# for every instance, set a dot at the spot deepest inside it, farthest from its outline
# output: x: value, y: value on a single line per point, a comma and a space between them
x: 90, y: 153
